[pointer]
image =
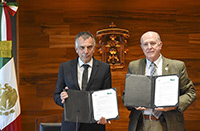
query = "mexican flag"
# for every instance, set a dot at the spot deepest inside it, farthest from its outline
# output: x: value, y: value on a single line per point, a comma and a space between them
x: 10, y: 112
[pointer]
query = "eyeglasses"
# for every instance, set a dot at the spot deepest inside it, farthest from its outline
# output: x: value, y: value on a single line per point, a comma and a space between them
x: 151, y: 43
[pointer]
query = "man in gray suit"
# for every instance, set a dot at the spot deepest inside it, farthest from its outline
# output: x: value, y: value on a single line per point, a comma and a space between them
x: 169, y: 118
x: 70, y: 78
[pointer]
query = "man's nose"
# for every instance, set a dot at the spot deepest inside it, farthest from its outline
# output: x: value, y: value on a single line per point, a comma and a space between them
x: 149, y: 45
x: 86, y: 50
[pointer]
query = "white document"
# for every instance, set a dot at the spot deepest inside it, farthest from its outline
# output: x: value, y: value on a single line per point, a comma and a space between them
x: 105, y: 104
x: 166, y: 91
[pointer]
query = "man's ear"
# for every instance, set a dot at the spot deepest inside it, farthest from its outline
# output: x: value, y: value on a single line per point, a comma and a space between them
x: 94, y: 50
x: 76, y: 49
x: 161, y: 45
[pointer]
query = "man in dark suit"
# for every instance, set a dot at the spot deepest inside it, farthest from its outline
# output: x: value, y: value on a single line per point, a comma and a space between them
x: 70, y: 77
x: 169, y: 118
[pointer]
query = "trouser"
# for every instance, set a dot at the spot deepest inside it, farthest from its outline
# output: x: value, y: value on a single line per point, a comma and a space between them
x: 152, y: 125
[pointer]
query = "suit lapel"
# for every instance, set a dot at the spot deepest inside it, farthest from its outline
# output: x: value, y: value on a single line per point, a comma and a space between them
x: 93, y: 73
x: 143, y: 66
x: 74, y: 73
x: 165, y: 68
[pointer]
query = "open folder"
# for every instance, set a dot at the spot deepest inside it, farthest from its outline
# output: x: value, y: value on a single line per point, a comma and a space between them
x: 90, y: 106
x: 151, y: 91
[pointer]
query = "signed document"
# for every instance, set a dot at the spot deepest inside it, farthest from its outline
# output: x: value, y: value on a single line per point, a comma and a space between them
x: 105, y: 104
x: 166, y: 90
x: 90, y: 106
x: 151, y: 91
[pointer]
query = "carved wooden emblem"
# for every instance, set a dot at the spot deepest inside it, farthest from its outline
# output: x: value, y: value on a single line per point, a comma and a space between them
x: 113, y: 45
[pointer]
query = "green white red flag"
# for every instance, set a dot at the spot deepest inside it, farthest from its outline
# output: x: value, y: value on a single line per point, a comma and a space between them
x: 10, y: 112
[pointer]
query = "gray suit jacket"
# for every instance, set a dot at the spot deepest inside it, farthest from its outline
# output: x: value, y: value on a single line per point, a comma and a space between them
x: 100, y: 79
x: 174, y: 119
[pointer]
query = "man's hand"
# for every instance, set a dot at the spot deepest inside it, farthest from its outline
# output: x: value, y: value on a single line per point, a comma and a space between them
x: 165, y: 109
x: 103, y: 121
x: 64, y: 95
x: 140, y: 108
x: 158, y: 109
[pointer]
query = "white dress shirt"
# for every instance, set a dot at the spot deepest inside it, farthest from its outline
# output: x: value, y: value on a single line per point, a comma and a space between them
x: 80, y: 70
x: 158, y: 64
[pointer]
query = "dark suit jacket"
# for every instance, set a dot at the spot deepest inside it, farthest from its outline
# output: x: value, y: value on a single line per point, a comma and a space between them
x: 100, y: 79
x: 174, y: 119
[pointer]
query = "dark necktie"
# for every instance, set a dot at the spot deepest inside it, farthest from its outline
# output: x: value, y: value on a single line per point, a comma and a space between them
x: 85, y: 77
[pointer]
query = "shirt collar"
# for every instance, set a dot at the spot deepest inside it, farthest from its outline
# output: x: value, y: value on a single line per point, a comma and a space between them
x: 148, y: 64
x: 80, y: 62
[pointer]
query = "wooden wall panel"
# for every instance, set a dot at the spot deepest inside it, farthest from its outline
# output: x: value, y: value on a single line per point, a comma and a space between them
x: 46, y: 38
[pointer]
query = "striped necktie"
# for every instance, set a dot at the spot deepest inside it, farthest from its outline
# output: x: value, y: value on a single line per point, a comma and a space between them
x: 153, y: 69
x: 154, y: 73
